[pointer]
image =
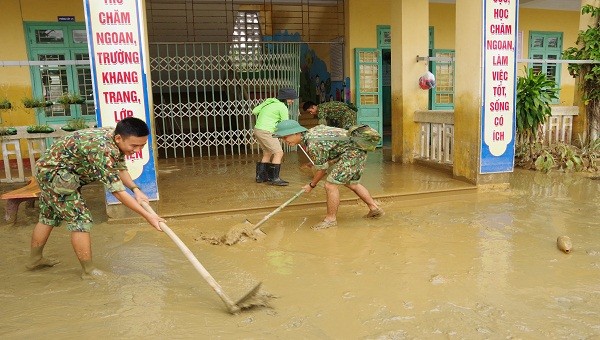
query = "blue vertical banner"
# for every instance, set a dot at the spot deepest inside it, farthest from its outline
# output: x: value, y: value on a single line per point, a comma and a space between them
x: 498, y: 123
x: 119, y: 60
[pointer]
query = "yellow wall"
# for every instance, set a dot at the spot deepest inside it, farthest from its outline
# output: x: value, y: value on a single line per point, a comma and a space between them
x: 362, y: 19
x: 443, y: 20
x: 552, y: 21
x: 15, y: 81
x: 441, y: 17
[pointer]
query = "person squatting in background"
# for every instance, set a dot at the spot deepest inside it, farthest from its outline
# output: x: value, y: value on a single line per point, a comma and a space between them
x: 269, y: 113
x: 73, y: 161
x: 335, y: 114
x: 325, y: 144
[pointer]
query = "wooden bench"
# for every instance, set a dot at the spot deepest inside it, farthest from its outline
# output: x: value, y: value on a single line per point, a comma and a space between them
x: 28, y: 193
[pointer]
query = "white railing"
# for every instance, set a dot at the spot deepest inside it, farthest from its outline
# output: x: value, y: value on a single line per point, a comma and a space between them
x: 559, y: 127
x: 11, y: 151
x: 436, y: 136
x: 436, y: 132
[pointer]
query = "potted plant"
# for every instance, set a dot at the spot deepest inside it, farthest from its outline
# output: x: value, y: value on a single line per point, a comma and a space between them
x: 5, y: 104
x: 75, y: 124
x: 40, y: 129
x: 31, y: 103
x: 70, y: 98
x: 588, y: 48
x: 535, y: 93
x: 8, y: 131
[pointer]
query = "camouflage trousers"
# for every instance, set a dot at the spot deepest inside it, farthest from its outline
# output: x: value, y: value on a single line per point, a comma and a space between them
x: 55, y: 208
x: 349, y: 167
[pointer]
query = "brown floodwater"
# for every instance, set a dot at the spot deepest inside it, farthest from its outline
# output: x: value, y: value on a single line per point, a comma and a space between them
x: 469, y: 264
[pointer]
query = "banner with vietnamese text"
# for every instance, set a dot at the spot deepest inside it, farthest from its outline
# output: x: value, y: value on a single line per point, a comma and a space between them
x: 498, y: 121
x: 118, y: 58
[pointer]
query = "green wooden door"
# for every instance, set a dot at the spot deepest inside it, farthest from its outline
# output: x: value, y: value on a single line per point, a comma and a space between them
x: 441, y: 97
x: 368, y: 87
x: 63, y: 46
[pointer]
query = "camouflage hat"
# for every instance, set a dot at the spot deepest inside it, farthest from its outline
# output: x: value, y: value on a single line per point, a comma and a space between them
x: 288, y: 127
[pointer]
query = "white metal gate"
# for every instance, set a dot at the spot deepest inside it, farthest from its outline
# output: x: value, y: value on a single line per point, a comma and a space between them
x: 204, y: 93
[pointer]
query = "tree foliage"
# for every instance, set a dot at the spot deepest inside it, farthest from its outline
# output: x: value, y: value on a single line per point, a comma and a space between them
x: 588, y: 48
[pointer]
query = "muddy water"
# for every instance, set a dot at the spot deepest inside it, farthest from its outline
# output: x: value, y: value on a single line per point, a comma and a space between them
x: 473, y: 265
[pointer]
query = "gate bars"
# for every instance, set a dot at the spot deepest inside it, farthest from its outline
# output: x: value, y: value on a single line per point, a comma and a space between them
x: 204, y: 93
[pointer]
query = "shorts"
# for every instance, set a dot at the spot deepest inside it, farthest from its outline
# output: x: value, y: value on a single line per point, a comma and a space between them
x: 267, y: 142
x: 55, y: 208
x: 349, y: 168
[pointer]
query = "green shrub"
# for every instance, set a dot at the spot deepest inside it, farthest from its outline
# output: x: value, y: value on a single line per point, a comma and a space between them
x: 5, y: 104
x: 535, y: 92
x: 33, y: 103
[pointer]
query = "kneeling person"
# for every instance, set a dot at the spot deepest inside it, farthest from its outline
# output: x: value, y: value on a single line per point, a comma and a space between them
x: 325, y: 144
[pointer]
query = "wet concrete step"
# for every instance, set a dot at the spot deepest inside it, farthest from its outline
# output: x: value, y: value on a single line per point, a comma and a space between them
x: 222, y: 185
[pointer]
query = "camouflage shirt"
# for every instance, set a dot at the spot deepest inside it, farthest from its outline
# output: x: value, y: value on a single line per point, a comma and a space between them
x: 336, y: 114
x: 92, y: 154
x: 322, y: 150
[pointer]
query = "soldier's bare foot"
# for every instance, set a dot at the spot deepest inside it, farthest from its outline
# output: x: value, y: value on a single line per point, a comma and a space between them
x: 375, y: 213
x: 93, y: 274
x: 324, y: 225
x: 41, y: 263
x: 97, y: 274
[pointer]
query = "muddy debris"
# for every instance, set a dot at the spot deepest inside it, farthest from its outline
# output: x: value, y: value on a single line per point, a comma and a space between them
x: 237, y: 234
x: 260, y: 299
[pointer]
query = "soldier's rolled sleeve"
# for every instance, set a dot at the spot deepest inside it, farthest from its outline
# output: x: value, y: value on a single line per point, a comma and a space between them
x: 115, y: 186
x: 110, y: 174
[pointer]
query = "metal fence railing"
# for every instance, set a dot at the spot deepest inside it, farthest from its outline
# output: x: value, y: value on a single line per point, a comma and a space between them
x: 204, y: 93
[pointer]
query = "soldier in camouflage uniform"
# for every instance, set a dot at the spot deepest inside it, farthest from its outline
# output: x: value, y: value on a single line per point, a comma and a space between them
x: 327, y: 145
x: 78, y: 159
x: 336, y: 114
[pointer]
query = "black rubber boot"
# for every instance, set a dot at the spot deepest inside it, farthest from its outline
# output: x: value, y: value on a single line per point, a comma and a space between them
x: 261, y: 172
x: 274, y: 175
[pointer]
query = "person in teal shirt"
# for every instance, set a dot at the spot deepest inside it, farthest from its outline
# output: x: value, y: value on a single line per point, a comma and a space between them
x: 268, y: 114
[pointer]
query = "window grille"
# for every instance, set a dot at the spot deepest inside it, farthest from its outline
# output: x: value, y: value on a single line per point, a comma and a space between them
x: 245, y: 50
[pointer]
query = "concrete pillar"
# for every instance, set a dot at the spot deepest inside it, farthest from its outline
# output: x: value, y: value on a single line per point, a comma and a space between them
x: 469, y: 96
x: 467, y: 92
x: 410, y: 32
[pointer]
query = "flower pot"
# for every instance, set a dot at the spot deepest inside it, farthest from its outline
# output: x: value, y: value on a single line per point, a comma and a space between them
x: 39, y: 129
x: 10, y: 131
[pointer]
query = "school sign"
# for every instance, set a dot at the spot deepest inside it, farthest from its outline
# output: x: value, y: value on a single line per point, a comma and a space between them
x: 119, y: 60
x: 498, y: 123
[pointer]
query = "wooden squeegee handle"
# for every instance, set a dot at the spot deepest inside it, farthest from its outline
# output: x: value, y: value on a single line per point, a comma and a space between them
x: 231, y: 306
x: 307, y: 156
x: 285, y: 204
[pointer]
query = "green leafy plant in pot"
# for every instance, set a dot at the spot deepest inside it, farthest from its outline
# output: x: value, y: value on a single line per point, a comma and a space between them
x: 40, y: 129
x: 31, y: 103
x: 70, y: 98
x: 535, y: 93
x: 8, y: 131
x: 75, y: 124
x: 5, y: 104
